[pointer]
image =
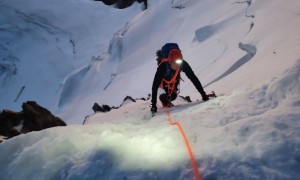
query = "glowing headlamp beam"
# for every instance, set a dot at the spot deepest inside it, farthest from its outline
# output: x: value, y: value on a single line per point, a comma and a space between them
x: 178, y: 61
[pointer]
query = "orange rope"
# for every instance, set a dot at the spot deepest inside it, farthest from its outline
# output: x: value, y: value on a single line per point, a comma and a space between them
x: 194, y: 164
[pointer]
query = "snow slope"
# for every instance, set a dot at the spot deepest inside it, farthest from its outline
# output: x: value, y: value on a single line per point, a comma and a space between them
x: 48, y: 48
x: 248, y: 52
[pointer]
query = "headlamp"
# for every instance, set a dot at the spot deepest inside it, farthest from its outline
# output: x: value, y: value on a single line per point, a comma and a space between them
x: 178, y: 61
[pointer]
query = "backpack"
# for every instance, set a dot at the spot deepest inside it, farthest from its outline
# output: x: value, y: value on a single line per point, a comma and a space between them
x: 167, y: 48
x: 164, y: 51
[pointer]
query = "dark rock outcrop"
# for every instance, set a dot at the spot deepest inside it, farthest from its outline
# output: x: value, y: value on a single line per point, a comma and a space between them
x: 33, y: 117
x: 103, y: 108
x: 121, y: 4
x: 37, y: 118
x: 8, y: 120
x: 106, y: 108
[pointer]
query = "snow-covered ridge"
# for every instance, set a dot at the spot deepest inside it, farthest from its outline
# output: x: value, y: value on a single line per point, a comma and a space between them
x: 244, y: 134
x: 250, y: 131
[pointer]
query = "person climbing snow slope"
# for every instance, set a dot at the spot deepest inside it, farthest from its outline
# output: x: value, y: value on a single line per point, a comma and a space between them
x: 167, y: 76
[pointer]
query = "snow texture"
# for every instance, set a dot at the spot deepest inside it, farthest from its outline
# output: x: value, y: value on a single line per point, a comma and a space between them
x: 67, y: 55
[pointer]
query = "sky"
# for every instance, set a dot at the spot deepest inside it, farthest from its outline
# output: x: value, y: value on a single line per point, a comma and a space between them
x: 68, y: 55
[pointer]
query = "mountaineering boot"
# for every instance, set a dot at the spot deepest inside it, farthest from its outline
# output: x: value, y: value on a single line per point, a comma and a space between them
x: 168, y: 104
x: 165, y: 100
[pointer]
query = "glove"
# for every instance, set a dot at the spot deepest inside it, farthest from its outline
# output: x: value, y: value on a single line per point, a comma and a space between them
x: 204, y: 97
x: 153, y: 108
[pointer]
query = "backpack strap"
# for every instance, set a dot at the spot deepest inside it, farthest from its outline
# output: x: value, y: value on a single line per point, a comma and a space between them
x: 163, y: 60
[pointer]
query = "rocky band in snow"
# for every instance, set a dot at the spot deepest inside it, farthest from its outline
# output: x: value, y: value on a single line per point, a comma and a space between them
x: 33, y: 117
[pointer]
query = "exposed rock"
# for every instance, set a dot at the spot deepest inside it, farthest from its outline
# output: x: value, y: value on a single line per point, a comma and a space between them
x: 108, y: 2
x: 121, y: 4
x: 8, y: 120
x: 32, y: 118
x: 106, y: 108
x: 37, y: 118
x: 103, y: 108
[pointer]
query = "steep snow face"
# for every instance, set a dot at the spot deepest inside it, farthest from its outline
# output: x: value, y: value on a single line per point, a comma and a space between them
x: 228, y: 44
x: 46, y: 46
x: 26, y: 46
x: 248, y: 52
x: 247, y: 134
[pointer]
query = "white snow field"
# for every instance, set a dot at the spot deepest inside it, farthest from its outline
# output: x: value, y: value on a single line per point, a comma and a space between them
x: 67, y: 55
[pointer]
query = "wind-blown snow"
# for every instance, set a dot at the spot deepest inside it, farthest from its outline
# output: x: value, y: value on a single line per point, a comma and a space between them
x: 247, y: 52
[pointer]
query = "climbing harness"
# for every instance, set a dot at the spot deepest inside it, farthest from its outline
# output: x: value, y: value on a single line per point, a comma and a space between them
x: 170, y: 84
